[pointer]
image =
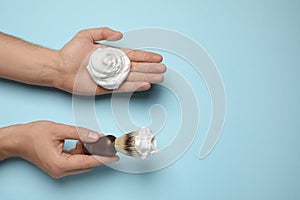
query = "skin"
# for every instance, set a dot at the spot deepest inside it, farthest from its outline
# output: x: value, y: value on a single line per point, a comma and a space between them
x: 32, y: 64
x: 42, y: 142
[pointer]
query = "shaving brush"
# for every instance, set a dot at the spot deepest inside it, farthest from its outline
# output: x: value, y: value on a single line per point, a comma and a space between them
x: 140, y: 144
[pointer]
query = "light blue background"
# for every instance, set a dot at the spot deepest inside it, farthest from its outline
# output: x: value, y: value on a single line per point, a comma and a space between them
x: 256, y: 46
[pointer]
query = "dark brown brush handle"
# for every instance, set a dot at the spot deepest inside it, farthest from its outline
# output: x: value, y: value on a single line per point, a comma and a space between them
x: 104, y: 146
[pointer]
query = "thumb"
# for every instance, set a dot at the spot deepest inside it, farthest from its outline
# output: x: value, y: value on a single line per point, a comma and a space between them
x: 86, y: 135
x: 78, y: 133
x: 96, y: 34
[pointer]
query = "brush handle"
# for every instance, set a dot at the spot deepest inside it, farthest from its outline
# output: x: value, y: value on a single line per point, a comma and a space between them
x: 103, y: 147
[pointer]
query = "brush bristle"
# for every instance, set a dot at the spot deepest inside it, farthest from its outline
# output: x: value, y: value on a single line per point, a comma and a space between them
x: 126, y: 144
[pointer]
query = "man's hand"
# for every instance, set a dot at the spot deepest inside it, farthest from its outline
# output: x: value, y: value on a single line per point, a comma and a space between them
x: 145, y: 66
x: 32, y: 64
x: 42, y: 144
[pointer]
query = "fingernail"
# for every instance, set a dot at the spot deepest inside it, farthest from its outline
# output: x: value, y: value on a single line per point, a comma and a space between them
x: 144, y: 87
x: 157, y: 57
x: 92, y: 135
x: 107, y: 159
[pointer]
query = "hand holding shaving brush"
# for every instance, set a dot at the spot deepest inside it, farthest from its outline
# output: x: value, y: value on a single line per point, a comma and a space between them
x: 140, y: 144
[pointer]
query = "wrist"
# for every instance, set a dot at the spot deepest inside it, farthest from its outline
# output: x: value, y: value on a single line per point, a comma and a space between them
x: 50, y: 74
x: 9, y: 142
x: 28, y: 63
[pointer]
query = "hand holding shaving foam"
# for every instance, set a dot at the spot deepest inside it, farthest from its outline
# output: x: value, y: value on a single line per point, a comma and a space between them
x: 79, y: 57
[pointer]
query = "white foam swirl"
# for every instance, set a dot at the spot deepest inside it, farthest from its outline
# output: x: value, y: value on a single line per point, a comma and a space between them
x: 109, y: 67
x: 145, y: 143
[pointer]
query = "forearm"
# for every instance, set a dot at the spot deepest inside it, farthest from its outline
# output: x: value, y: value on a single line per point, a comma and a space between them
x: 8, y: 142
x: 28, y: 63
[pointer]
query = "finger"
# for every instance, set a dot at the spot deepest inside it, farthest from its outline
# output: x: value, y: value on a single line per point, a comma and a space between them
x: 78, y: 149
x: 79, y: 171
x: 106, y: 159
x: 77, y: 133
x: 142, y: 56
x: 96, y: 34
x: 72, y: 151
x: 79, y: 146
x: 145, y: 77
x: 66, y: 132
x: 87, y: 135
x: 126, y: 87
x: 133, y: 87
x: 148, y: 67
x: 75, y: 162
